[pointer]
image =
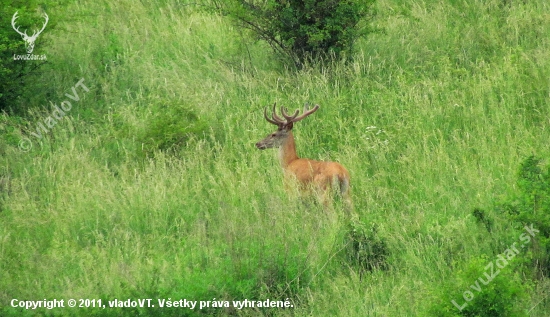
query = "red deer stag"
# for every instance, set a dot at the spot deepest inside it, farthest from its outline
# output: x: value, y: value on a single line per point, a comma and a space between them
x: 318, y: 175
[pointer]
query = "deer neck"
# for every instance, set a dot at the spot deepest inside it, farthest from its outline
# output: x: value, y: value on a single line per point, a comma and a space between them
x: 287, y: 151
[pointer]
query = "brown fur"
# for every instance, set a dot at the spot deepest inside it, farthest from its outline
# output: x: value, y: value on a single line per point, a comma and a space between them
x: 308, y: 173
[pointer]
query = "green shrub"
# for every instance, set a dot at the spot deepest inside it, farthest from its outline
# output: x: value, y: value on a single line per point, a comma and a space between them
x: 303, y: 29
x: 364, y: 249
x: 171, y: 126
x: 532, y: 207
x: 483, y: 219
x: 484, y: 287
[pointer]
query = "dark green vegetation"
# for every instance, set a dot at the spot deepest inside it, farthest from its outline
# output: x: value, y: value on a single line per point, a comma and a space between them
x: 150, y: 185
x: 14, y: 74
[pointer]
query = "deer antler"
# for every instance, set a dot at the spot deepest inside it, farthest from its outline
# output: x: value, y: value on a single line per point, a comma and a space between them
x: 306, y: 113
x: 276, y: 119
x: 280, y: 122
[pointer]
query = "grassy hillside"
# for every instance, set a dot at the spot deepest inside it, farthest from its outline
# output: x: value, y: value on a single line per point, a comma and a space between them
x: 150, y: 185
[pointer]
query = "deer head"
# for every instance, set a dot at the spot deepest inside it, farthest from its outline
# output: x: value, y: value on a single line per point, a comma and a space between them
x: 284, y: 126
x: 29, y: 40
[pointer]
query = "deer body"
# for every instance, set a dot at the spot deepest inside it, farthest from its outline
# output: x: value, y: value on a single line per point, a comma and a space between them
x: 309, y: 174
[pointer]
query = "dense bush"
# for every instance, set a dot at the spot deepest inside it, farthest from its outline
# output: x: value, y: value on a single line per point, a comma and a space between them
x: 170, y: 127
x: 303, y: 29
x: 365, y: 250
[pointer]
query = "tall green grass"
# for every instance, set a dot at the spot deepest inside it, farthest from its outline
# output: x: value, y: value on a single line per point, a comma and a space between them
x: 432, y: 116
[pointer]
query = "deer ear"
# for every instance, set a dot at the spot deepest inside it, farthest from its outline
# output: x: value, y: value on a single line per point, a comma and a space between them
x: 289, y: 126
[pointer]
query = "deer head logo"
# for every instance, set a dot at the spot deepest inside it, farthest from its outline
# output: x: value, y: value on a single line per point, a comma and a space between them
x: 29, y: 40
